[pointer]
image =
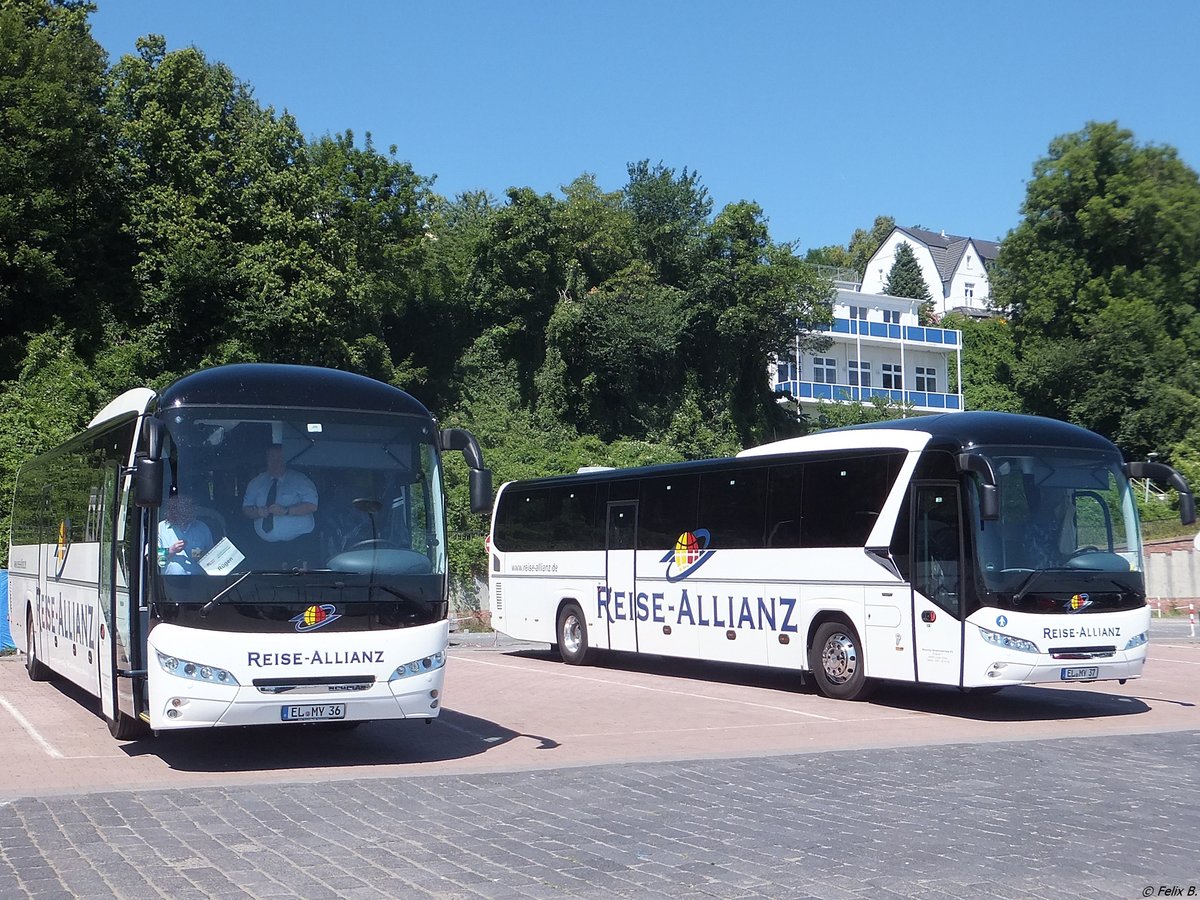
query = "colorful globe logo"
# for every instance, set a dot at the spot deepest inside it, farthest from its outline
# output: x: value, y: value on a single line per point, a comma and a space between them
x: 690, y: 552
x: 315, y: 617
x: 687, y: 550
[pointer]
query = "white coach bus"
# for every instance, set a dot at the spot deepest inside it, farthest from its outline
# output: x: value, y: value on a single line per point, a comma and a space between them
x: 976, y: 549
x: 148, y: 568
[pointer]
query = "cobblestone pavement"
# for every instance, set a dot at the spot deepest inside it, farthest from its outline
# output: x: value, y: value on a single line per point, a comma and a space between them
x: 1097, y: 817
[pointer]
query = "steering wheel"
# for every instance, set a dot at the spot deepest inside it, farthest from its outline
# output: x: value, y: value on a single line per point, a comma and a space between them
x: 1084, y: 550
x: 378, y: 544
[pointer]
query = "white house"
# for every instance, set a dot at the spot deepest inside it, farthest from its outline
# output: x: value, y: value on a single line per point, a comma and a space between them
x: 955, y: 268
x: 879, y: 349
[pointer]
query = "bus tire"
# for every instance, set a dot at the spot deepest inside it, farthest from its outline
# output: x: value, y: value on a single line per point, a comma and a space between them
x: 837, y: 663
x: 125, y: 728
x: 573, y: 637
x: 38, y: 670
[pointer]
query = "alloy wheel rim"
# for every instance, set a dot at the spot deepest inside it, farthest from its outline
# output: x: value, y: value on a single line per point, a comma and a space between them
x: 839, y: 658
x: 572, y: 634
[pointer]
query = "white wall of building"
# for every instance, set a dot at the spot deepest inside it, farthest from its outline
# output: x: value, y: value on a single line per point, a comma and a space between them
x: 881, y: 264
x: 970, y: 271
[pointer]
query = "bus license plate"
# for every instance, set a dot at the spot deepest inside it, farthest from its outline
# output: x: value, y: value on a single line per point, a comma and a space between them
x: 313, y: 712
x: 1080, y: 673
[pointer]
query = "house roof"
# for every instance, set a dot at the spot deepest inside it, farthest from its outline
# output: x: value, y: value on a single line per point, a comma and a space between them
x: 947, y: 249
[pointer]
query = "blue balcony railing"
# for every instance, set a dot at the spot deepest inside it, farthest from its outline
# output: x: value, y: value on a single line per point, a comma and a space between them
x: 917, y: 334
x: 848, y: 393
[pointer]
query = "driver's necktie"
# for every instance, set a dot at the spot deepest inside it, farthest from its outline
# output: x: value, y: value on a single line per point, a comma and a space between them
x: 269, y: 520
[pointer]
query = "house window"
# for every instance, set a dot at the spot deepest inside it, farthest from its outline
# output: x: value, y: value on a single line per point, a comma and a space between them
x: 860, y: 373
x: 892, y: 376
x: 891, y: 316
x: 968, y: 260
x: 858, y: 312
x: 969, y: 289
x: 786, y: 371
x: 824, y: 370
x: 926, y: 379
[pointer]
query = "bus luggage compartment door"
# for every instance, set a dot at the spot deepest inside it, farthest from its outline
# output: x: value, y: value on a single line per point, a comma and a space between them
x: 621, y: 576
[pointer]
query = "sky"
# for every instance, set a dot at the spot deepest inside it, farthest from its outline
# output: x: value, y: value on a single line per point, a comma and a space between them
x: 826, y: 114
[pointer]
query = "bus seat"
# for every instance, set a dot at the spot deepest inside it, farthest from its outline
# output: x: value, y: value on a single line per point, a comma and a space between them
x: 214, y: 520
x: 785, y: 534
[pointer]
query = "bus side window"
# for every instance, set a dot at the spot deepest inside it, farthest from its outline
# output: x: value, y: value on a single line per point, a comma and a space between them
x: 783, y: 506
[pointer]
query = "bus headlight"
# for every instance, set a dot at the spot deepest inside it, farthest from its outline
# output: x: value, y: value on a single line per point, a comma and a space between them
x: 421, y: 666
x: 1007, y: 641
x: 1137, y: 640
x: 195, y: 671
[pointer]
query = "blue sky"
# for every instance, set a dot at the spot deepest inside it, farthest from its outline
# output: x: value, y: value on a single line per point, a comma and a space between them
x: 825, y: 113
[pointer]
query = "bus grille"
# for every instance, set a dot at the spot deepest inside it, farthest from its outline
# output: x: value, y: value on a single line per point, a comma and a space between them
x: 1082, y: 652
x: 498, y: 600
x: 344, y: 684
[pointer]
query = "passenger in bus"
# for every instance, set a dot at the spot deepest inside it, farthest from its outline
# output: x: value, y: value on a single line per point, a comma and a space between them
x: 182, y: 538
x: 281, y: 501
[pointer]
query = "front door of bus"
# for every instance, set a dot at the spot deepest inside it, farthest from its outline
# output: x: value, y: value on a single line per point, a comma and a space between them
x: 937, y: 582
x: 620, y: 613
x: 116, y: 693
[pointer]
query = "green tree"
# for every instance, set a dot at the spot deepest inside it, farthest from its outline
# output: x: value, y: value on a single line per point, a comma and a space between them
x: 670, y: 217
x: 53, y: 397
x: 1102, y: 279
x: 59, y: 248
x: 905, y: 278
x: 752, y: 301
x: 989, y: 361
x: 613, y: 361
x: 516, y: 278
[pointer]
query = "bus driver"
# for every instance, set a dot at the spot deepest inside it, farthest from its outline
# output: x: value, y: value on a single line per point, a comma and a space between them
x: 280, y: 500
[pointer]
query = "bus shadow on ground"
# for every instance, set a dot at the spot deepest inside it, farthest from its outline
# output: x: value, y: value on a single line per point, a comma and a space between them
x: 690, y: 669
x: 1012, y: 704
x: 451, y: 736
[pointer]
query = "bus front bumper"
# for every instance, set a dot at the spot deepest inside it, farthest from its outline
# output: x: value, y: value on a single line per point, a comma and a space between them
x: 197, y: 705
x: 1043, y: 669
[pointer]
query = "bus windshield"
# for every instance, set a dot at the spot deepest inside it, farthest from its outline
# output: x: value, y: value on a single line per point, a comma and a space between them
x: 1064, y: 513
x: 269, y: 504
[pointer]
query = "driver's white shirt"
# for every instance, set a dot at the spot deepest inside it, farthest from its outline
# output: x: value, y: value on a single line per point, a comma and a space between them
x: 293, y: 488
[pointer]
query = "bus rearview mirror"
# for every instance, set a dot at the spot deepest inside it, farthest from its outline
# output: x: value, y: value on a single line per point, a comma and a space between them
x: 481, y: 490
x: 148, y: 483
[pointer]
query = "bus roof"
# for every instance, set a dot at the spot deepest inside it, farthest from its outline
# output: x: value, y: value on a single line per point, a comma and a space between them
x: 269, y: 384
x: 962, y: 431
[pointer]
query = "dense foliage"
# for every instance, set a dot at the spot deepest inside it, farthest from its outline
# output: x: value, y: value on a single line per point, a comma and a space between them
x: 155, y: 218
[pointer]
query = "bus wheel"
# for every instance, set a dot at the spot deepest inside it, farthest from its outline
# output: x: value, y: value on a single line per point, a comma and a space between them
x: 37, y: 669
x: 125, y: 728
x: 572, y: 636
x: 837, y: 663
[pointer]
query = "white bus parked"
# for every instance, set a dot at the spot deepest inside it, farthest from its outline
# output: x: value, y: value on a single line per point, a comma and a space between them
x: 146, y: 567
x: 976, y: 549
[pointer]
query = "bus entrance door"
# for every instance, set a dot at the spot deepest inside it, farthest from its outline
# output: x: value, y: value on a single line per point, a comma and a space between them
x: 115, y: 656
x: 621, y: 575
x: 936, y: 582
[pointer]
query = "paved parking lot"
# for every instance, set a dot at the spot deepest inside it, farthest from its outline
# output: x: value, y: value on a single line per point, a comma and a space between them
x: 639, y: 777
